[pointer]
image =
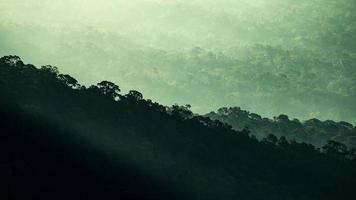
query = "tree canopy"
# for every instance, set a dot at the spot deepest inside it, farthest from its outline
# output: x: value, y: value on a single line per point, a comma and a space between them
x: 60, y: 141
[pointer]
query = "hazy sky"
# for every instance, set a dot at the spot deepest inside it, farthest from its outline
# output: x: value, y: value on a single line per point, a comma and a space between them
x: 271, y: 57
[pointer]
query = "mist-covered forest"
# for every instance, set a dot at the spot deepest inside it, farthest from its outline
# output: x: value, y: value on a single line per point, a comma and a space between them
x: 312, y: 131
x: 178, y: 99
x: 270, y: 57
x: 62, y: 140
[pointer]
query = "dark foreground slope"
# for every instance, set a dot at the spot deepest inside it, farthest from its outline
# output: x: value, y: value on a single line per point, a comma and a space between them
x: 41, y: 161
x: 312, y: 131
x: 62, y: 140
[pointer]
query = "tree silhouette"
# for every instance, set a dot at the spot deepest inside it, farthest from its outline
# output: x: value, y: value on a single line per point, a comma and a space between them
x: 68, y: 80
x: 311, y: 131
x: 271, y: 139
x: 48, y: 69
x: 12, y: 60
x: 335, y: 149
x: 109, y: 89
x: 59, y: 141
x: 135, y: 95
x: 183, y: 112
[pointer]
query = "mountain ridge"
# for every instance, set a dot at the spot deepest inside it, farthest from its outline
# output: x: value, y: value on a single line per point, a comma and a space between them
x: 188, y: 156
x: 313, y: 131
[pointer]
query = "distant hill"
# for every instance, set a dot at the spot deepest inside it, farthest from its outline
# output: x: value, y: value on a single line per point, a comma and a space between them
x: 270, y: 56
x: 312, y: 131
x: 62, y: 140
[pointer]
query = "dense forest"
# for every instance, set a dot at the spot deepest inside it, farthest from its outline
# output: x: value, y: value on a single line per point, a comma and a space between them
x: 63, y: 140
x: 267, y: 56
x: 312, y: 131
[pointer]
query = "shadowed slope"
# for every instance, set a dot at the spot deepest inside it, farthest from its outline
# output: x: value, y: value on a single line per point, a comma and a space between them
x: 95, y: 141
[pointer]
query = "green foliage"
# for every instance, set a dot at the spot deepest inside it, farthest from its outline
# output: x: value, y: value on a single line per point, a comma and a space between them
x: 59, y: 141
x: 276, y: 56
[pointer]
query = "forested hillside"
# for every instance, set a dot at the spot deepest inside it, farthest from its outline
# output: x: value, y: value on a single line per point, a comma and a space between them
x: 312, y: 131
x: 269, y: 57
x: 62, y: 140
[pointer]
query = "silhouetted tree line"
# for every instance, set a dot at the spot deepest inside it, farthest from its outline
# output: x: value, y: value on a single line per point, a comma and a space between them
x: 61, y: 140
x: 313, y: 131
